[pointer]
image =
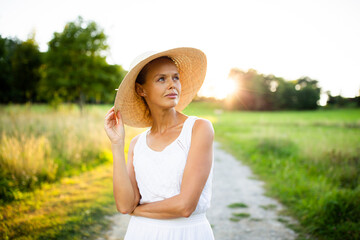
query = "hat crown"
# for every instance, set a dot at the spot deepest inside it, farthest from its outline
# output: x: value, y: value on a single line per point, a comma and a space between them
x: 140, y: 58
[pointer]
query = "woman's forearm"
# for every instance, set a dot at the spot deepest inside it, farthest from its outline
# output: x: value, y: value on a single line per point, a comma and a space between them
x: 173, y: 207
x: 123, y: 191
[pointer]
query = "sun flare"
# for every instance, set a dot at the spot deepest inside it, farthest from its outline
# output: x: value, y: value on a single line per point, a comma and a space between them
x: 219, y: 89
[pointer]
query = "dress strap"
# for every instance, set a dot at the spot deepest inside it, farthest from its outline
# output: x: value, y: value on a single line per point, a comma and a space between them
x: 140, y: 143
x: 184, y: 140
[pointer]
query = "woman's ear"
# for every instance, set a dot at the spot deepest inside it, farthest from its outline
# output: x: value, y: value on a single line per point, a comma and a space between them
x: 140, y: 90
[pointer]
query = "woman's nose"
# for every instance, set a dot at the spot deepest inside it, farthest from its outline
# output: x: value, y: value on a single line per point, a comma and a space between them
x: 171, y: 84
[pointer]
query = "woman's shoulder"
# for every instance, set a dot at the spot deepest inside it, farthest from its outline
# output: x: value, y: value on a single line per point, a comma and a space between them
x: 202, y: 122
x: 203, y: 127
x: 135, y: 140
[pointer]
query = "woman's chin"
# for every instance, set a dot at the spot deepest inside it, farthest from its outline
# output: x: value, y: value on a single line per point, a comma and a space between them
x: 173, y: 103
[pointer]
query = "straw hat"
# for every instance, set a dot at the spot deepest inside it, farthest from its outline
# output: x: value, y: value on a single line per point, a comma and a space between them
x: 191, y: 64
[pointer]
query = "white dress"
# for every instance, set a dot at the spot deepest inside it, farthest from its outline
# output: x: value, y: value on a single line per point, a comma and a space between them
x: 159, y: 176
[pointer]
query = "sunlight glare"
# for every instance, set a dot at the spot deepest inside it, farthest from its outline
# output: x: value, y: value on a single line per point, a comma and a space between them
x: 220, y: 89
x: 225, y: 89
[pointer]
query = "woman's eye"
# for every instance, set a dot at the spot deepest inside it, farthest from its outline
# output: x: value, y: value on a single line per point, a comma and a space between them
x: 176, y: 78
x: 161, y: 79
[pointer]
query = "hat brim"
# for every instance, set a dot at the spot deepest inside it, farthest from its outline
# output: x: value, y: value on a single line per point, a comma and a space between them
x: 191, y: 64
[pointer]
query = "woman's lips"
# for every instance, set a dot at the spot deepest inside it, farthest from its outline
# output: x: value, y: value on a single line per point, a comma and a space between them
x: 171, y: 95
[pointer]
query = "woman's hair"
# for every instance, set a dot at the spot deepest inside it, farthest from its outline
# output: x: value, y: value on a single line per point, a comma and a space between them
x: 142, y: 74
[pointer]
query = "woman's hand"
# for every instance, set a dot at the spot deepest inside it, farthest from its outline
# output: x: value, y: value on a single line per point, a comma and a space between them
x: 132, y: 213
x: 136, y: 211
x: 114, y: 127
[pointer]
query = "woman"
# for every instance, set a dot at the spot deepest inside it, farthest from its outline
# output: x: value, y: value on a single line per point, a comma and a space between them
x: 166, y: 183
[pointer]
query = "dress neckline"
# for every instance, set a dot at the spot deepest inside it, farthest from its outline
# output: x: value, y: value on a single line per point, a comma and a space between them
x: 147, y: 132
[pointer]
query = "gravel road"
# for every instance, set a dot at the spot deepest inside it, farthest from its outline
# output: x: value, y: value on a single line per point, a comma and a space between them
x: 252, y: 217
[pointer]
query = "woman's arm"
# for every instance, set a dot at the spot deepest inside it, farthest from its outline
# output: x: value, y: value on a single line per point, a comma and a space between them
x: 196, y: 173
x: 126, y: 192
x: 125, y: 189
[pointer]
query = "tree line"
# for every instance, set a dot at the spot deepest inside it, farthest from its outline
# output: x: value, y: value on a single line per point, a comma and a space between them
x: 255, y: 91
x: 74, y: 68
x: 267, y: 92
x: 342, y: 102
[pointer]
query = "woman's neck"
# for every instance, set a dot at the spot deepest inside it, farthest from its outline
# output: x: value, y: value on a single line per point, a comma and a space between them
x: 165, y: 119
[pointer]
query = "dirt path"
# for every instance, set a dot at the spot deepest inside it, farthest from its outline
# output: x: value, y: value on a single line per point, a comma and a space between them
x: 255, y: 217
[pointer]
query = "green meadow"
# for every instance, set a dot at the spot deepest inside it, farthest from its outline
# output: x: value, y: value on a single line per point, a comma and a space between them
x: 56, y: 167
x: 310, y: 161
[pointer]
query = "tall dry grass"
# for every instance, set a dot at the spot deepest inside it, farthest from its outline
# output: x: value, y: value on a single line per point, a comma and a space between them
x: 40, y: 144
x: 26, y: 159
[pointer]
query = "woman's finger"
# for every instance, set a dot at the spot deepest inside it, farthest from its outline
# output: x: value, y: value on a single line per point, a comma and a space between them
x: 119, y: 117
x: 109, y: 120
x: 110, y: 123
x: 109, y: 115
x: 110, y: 110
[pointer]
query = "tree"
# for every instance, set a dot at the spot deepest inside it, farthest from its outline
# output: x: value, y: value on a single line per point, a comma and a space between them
x: 254, y: 90
x: 301, y: 94
x: 342, y: 102
x: 268, y: 92
x: 75, y: 68
x: 7, y: 49
x: 19, y: 69
x: 307, y: 94
x: 26, y: 62
x: 285, y: 95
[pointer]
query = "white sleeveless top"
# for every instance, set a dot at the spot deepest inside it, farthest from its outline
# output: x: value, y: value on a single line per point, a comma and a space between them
x: 159, y: 174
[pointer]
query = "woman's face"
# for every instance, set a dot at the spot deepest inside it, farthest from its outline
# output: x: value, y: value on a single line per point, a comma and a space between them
x: 162, y: 84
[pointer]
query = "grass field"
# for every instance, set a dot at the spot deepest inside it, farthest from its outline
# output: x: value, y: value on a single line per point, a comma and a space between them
x: 56, y: 172
x: 309, y: 161
x: 39, y: 144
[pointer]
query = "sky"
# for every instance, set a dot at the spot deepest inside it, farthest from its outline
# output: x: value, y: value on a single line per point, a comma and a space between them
x: 290, y: 39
